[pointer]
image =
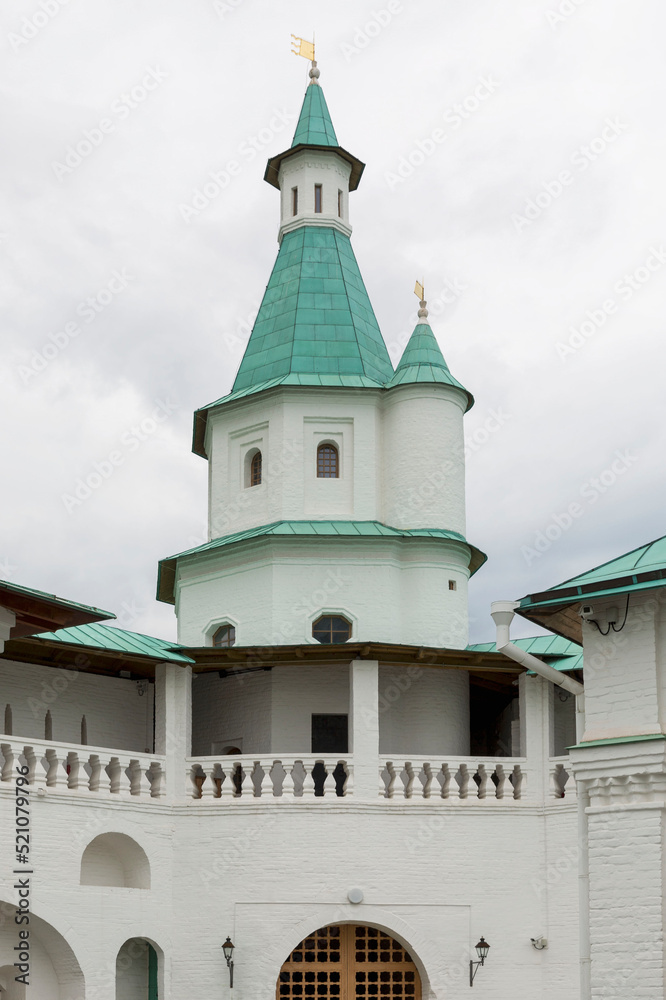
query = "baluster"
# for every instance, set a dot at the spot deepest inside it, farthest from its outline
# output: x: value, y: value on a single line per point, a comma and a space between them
x: 287, y: 781
x: 36, y: 774
x: 56, y: 776
x: 463, y: 779
x: 429, y: 777
x: 409, y: 784
x: 308, y: 780
x: 155, y: 776
x: 239, y: 780
x: 500, y: 776
x: 113, y: 770
x: 73, y: 770
x: 390, y: 788
x: 265, y: 786
x: 517, y: 779
x: 348, y: 784
x: 206, y: 783
x: 139, y: 784
x: 7, y: 762
x: 228, y: 790
x: 446, y: 781
x: 556, y: 783
x: 481, y: 778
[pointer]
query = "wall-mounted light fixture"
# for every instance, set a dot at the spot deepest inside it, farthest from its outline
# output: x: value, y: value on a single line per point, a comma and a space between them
x: 228, y: 950
x: 482, y: 950
x: 539, y: 943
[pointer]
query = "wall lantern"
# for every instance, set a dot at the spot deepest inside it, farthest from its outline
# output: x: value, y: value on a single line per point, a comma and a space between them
x: 482, y: 950
x: 228, y: 950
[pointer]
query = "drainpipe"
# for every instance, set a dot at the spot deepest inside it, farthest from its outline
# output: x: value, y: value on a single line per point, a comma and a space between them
x: 502, y: 613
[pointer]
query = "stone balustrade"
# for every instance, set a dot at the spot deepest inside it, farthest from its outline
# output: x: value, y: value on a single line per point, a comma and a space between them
x: 65, y: 767
x: 561, y: 781
x: 447, y: 779
x: 289, y: 776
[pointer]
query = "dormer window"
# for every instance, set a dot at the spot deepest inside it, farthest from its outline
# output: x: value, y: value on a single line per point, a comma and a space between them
x: 294, y: 201
x: 224, y: 637
x: 317, y: 198
x: 328, y: 463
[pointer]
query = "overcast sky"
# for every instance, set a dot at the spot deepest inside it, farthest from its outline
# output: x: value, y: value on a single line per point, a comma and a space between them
x: 537, y: 209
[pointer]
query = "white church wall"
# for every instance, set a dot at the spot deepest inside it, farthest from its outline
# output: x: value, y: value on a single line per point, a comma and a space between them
x: 116, y: 716
x: 231, y: 711
x: 298, y: 693
x: 423, y: 711
x: 423, y: 458
x: 302, y: 171
x: 622, y: 674
x: 274, y: 589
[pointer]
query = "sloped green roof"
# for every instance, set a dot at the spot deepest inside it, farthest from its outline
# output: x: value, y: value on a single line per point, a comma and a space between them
x: 641, y: 569
x: 315, y: 318
x: 315, y: 127
x: 349, y: 529
x: 15, y: 588
x: 422, y: 361
x: 560, y: 653
x: 117, y: 640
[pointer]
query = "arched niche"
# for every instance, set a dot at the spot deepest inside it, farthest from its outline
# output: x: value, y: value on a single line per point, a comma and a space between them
x: 115, y: 859
x: 54, y: 968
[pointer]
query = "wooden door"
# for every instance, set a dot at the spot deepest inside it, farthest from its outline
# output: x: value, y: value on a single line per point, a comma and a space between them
x: 349, y: 962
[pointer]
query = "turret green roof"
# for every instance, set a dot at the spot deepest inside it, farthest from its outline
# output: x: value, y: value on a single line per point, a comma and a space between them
x: 315, y: 319
x: 315, y: 127
x: 422, y: 361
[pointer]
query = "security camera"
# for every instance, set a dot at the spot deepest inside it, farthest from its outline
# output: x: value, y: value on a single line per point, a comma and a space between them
x: 586, y: 612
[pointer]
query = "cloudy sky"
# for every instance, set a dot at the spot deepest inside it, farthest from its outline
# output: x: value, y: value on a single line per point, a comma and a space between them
x: 516, y: 155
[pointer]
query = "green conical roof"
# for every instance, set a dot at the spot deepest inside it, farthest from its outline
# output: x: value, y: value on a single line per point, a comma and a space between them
x: 315, y: 325
x: 422, y: 361
x: 315, y: 127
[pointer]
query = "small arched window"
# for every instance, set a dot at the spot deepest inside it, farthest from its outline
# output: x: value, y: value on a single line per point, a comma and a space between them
x: 255, y: 470
x: 328, y: 462
x: 224, y: 637
x: 331, y: 629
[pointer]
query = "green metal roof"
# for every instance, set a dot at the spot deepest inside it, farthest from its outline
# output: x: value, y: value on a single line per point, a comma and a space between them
x: 15, y: 588
x: 315, y: 127
x: 560, y: 653
x: 117, y: 640
x: 348, y: 529
x: 422, y: 361
x: 643, y: 568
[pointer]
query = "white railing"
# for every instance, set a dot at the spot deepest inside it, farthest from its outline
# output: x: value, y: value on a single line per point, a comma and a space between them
x: 561, y: 782
x: 249, y: 777
x: 448, y: 779
x: 67, y: 767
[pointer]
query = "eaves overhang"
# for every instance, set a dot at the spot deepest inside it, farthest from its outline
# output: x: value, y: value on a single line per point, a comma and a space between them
x: 271, y: 174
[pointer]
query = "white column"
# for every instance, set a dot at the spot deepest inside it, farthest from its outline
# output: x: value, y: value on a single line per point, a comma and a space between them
x: 364, y: 706
x: 7, y: 623
x: 534, y: 732
x: 173, y: 722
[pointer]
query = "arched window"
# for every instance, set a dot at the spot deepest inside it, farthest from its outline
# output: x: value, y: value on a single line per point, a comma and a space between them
x: 331, y: 629
x: 255, y: 470
x: 328, y: 462
x: 348, y: 961
x: 224, y: 637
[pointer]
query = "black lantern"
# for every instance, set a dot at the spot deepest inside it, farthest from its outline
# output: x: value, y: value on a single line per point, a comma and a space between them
x: 228, y: 950
x: 482, y: 949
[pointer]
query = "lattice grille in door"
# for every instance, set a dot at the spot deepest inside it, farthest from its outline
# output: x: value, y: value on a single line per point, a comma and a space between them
x: 349, y: 962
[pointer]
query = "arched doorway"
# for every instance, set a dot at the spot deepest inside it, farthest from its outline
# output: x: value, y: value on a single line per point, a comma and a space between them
x: 137, y: 966
x: 349, y: 962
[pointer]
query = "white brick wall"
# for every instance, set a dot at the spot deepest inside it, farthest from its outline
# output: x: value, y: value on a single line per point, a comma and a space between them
x: 116, y: 715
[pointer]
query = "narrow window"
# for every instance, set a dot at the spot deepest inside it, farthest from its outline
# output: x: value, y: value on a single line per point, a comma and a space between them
x: 331, y: 629
x: 294, y: 201
x: 453, y: 585
x: 328, y: 465
x: 318, y: 198
x: 224, y: 637
x: 255, y: 470
x: 340, y: 204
